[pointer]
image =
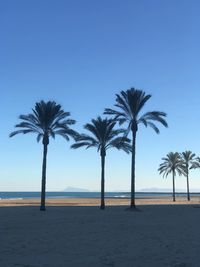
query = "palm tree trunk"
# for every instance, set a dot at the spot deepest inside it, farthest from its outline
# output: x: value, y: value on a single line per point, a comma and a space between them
x: 173, y: 178
x: 188, y: 189
x: 102, y: 181
x: 133, y: 171
x: 42, y: 206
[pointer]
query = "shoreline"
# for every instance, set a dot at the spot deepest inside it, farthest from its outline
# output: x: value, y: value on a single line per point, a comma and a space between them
x: 164, y: 200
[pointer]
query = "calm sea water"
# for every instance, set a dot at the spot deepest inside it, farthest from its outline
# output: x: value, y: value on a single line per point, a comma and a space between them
x: 25, y: 195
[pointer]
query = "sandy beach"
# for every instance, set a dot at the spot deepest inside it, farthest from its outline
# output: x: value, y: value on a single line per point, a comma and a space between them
x: 96, y: 201
x: 73, y: 234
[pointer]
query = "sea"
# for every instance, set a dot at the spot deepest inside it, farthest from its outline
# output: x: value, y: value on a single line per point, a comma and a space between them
x: 138, y: 195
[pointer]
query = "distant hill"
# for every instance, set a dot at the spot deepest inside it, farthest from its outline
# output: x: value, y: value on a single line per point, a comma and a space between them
x: 75, y: 189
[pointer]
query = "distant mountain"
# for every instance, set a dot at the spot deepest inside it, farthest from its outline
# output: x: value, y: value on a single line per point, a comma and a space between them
x: 75, y: 189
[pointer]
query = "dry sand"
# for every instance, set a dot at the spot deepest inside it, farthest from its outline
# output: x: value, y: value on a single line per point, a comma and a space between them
x: 84, y: 236
x: 96, y: 201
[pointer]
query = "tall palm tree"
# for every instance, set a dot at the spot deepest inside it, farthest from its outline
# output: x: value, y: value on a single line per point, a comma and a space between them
x: 130, y: 104
x: 103, y: 136
x: 47, y: 119
x: 190, y: 162
x: 172, y: 163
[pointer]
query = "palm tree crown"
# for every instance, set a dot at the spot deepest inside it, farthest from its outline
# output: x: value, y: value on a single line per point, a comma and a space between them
x: 103, y: 136
x: 130, y: 103
x: 189, y: 159
x: 172, y: 163
x: 47, y: 120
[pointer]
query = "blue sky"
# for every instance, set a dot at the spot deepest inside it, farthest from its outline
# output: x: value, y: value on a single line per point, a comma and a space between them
x: 80, y: 54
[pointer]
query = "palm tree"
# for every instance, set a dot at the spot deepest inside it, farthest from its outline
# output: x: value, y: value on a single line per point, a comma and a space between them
x: 172, y: 163
x: 190, y: 162
x: 47, y: 119
x: 102, y: 136
x: 130, y: 104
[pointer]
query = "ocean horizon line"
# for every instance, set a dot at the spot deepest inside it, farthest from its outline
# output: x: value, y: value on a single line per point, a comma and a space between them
x: 96, y: 191
x: 60, y: 194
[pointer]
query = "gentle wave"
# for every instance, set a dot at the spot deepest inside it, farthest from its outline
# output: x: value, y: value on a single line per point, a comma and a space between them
x: 14, y: 198
x: 121, y: 196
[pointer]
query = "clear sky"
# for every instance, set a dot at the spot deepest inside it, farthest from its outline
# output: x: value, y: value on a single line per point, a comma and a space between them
x: 80, y: 54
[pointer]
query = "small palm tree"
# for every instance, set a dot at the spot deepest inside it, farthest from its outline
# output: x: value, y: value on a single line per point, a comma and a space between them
x: 190, y: 162
x: 102, y: 136
x: 172, y: 163
x: 130, y: 104
x: 47, y: 119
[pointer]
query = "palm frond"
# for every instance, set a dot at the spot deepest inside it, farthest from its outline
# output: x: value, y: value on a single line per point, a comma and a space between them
x: 28, y: 125
x: 117, y: 114
x: 121, y: 142
x: 21, y: 132
x: 153, y: 126
x: 123, y: 103
x: 86, y: 144
x: 155, y: 116
x: 39, y: 137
